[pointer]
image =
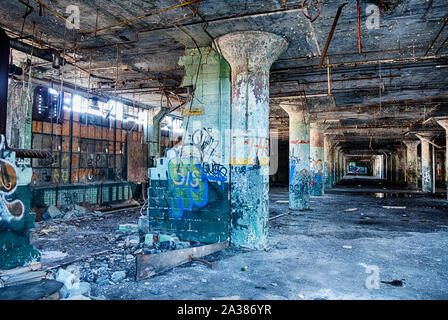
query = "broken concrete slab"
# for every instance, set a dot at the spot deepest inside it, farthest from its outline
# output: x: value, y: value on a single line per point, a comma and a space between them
x: 51, y: 213
x: 118, y: 276
x: 128, y: 228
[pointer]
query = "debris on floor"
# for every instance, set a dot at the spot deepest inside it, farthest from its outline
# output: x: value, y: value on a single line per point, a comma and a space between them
x: 394, y: 207
x: 351, y: 209
x: 395, y: 283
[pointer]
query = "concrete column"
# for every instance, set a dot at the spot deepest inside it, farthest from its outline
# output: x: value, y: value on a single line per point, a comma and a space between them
x: 427, y: 167
x: 444, y: 124
x: 411, y: 163
x: 299, y: 157
x: 317, y: 159
x: 394, y: 167
x: 328, y: 162
x: 401, y: 165
x: 250, y: 55
x: 337, y: 160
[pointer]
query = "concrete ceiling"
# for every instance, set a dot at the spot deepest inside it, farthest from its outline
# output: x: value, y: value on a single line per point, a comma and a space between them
x: 393, y: 87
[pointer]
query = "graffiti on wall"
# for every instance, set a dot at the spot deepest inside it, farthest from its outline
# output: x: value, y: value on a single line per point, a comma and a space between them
x: 187, y: 180
x: 13, y: 210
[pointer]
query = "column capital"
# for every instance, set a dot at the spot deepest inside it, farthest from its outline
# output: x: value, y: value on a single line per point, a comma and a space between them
x: 411, y: 143
x: 425, y: 136
x: 292, y: 107
x: 443, y: 122
x: 251, y: 50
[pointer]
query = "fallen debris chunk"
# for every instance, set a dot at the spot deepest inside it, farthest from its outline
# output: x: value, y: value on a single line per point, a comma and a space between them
x: 395, y: 283
x: 282, y: 201
x: 118, y: 276
x: 152, y: 264
x: 128, y: 228
x: 393, y: 207
x: 51, y: 213
x: 278, y: 216
x: 347, y: 247
x: 351, y: 209
x: 210, y: 264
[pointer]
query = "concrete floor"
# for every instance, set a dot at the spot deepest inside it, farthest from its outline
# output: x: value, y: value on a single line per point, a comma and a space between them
x: 321, y: 253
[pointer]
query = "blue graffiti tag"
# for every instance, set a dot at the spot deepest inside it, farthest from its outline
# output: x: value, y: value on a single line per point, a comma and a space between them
x: 188, y: 182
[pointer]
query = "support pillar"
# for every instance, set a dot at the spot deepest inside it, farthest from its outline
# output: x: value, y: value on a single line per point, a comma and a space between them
x: 317, y: 159
x: 250, y: 55
x: 299, y: 157
x: 401, y: 165
x: 328, y: 162
x: 444, y: 124
x: 427, y: 167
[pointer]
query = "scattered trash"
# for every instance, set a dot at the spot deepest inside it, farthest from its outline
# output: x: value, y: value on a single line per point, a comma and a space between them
x: 301, y: 296
x: 393, y: 207
x: 351, y: 209
x: 282, y: 201
x: 347, y: 247
x: 395, y: 283
x: 278, y: 216
x: 244, y: 268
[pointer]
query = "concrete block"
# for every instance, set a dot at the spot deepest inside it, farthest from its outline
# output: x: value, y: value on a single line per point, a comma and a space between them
x: 65, y: 277
x: 143, y: 224
x: 128, y: 228
x: 52, y: 212
x: 118, y: 276
x: 149, y: 240
x: 132, y: 241
x: 78, y: 289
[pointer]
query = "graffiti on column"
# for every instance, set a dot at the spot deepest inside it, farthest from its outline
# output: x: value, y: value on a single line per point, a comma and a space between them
x: 426, y: 179
x: 411, y: 172
x: 317, y: 174
x: 13, y: 210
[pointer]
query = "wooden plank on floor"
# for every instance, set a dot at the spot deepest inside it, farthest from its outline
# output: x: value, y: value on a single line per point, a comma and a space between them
x: 152, y: 264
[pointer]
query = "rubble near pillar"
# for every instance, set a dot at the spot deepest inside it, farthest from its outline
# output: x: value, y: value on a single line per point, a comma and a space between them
x: 250, y: 55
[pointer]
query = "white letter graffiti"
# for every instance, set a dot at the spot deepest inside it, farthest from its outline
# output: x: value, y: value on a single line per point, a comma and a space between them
x: 373, y: 20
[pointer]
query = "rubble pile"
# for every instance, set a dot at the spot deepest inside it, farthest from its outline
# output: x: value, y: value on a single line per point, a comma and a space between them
x: 67, y: 212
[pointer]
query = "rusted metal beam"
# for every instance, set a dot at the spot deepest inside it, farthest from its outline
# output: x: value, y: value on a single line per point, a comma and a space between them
x: 437, y: 35
x: 333, y: 27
